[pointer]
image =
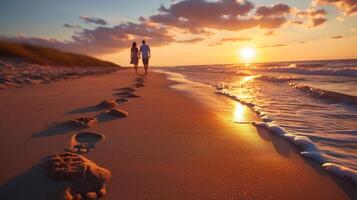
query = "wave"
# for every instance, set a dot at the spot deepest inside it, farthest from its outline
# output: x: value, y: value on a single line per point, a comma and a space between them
x: 306, y: 69
x: 309, y: 148
x: 296, y: 69
x: 324, y: 94
x: 278, y: 79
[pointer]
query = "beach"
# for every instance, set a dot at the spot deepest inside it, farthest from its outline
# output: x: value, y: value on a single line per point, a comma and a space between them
x: 170, y: 146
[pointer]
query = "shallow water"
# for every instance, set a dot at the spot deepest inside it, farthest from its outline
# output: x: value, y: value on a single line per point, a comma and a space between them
x: 315, y: 100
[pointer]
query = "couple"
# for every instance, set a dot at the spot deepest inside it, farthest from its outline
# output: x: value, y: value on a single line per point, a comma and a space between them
x: 135, y: 55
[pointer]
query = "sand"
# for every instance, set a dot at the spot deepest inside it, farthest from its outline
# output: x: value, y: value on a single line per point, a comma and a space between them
x: 169, y: 146
x: 15, y: 73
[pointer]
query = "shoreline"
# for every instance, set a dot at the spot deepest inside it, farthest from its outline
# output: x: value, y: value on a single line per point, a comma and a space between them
x: 170, y: 146
x: 308, y: 148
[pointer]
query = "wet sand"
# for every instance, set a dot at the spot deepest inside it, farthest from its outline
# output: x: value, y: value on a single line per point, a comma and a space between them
x: 168, y: 146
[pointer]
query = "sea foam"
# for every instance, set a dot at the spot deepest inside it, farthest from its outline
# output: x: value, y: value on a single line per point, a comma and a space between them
x: 309, y: 148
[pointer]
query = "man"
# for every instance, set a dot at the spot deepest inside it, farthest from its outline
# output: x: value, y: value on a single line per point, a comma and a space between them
x: 145, y: 54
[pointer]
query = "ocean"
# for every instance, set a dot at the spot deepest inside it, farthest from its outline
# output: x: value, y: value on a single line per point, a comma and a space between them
x: 312, y: 103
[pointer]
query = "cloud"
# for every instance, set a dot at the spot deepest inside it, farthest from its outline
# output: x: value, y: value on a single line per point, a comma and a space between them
x: 313, y: 12
x: 236, y: 39
x: 93, y: 20
x: 273, y: 46
x: 315, y: 17
x: 277, y: 9
x: 297, y: 22
x: 104, y: 40
x: 337, y: 37
x: 348, y: 7
x: 270, y: 33
x: 189, y: 41
x: 318, y: 21
x: 231, y: 39
x: 71, y: 26
x: 198, y: 15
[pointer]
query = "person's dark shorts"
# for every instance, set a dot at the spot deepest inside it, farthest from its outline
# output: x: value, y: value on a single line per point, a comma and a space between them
x: 146, y: 61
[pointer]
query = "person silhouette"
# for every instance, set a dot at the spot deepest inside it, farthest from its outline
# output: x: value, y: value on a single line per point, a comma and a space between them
x: 145, y: 54
x: 134, y: 56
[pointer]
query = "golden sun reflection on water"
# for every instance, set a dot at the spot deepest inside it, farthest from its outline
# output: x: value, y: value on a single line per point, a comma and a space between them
x: 239, y: 113
x: 246, y: 79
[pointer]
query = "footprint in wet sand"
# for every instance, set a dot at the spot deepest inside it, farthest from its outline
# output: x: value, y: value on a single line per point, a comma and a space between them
x: 116, y: 112
x: 107, y: 104
x: 84, y: 142
x: 86, y: 180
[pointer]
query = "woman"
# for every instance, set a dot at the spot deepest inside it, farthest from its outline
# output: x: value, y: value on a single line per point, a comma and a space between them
x: 135, y: 56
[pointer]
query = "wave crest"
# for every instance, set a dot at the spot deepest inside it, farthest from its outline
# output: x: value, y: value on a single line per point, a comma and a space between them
x: 324, y: 94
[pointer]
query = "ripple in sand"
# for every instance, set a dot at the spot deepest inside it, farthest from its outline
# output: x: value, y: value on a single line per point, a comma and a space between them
x: 86, y: 179
x: 84, y: 142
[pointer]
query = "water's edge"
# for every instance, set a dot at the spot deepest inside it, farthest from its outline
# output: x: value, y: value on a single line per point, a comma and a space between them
x: 309, y: 149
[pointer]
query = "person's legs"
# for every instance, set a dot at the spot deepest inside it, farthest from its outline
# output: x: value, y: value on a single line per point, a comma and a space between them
x: 146, y: 64
x: 136, y: 68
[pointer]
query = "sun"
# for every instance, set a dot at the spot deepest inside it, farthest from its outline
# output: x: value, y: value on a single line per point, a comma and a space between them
x: 247, y: 54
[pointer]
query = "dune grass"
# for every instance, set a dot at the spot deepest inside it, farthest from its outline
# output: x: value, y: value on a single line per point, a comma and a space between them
x: 49, y: 56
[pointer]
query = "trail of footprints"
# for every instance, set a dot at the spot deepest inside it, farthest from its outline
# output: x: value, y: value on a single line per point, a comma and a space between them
x: 87, y: 180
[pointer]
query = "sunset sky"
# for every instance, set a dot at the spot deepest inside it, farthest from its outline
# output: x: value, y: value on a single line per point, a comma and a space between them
x: 187, y: 31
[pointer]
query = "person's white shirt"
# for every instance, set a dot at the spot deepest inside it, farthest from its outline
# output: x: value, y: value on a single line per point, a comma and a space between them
x: 145, y: 50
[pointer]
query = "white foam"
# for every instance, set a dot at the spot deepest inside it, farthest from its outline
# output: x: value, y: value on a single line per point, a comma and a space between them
x: 311, y: 151
x: 341, y: 171
x: 305, y: 143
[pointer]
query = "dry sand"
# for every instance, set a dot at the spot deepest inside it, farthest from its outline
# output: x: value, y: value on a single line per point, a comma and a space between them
x: 15, y: 73
x: 170, y: 146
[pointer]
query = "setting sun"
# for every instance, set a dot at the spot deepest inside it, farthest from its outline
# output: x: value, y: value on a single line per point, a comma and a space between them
x: 247, y: 54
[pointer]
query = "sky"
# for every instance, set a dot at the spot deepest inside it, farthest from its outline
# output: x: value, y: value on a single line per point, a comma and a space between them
x: 187, y: 32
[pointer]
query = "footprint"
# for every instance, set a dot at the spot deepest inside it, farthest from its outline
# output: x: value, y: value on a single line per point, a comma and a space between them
x: 127, y: 94
x: 84, y: 142
x: 130, y: 89
x: 138, y: 85
x: 121, y: 100
x: 86, y: 179
x: 140, y: 79
x: 116, y: 112
x: 107, y: 104
x: 81, y: 122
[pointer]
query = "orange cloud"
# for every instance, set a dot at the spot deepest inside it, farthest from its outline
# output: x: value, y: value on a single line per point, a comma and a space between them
x: 197, y: 15
x: 232, y: 39
x: 347, y: 6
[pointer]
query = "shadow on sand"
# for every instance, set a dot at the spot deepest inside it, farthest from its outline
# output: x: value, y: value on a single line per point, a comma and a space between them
x: 55, y: 130
x: 63, y: 128
x: 280, y: 145
x: 32, y: 184
x: 87, y: 109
